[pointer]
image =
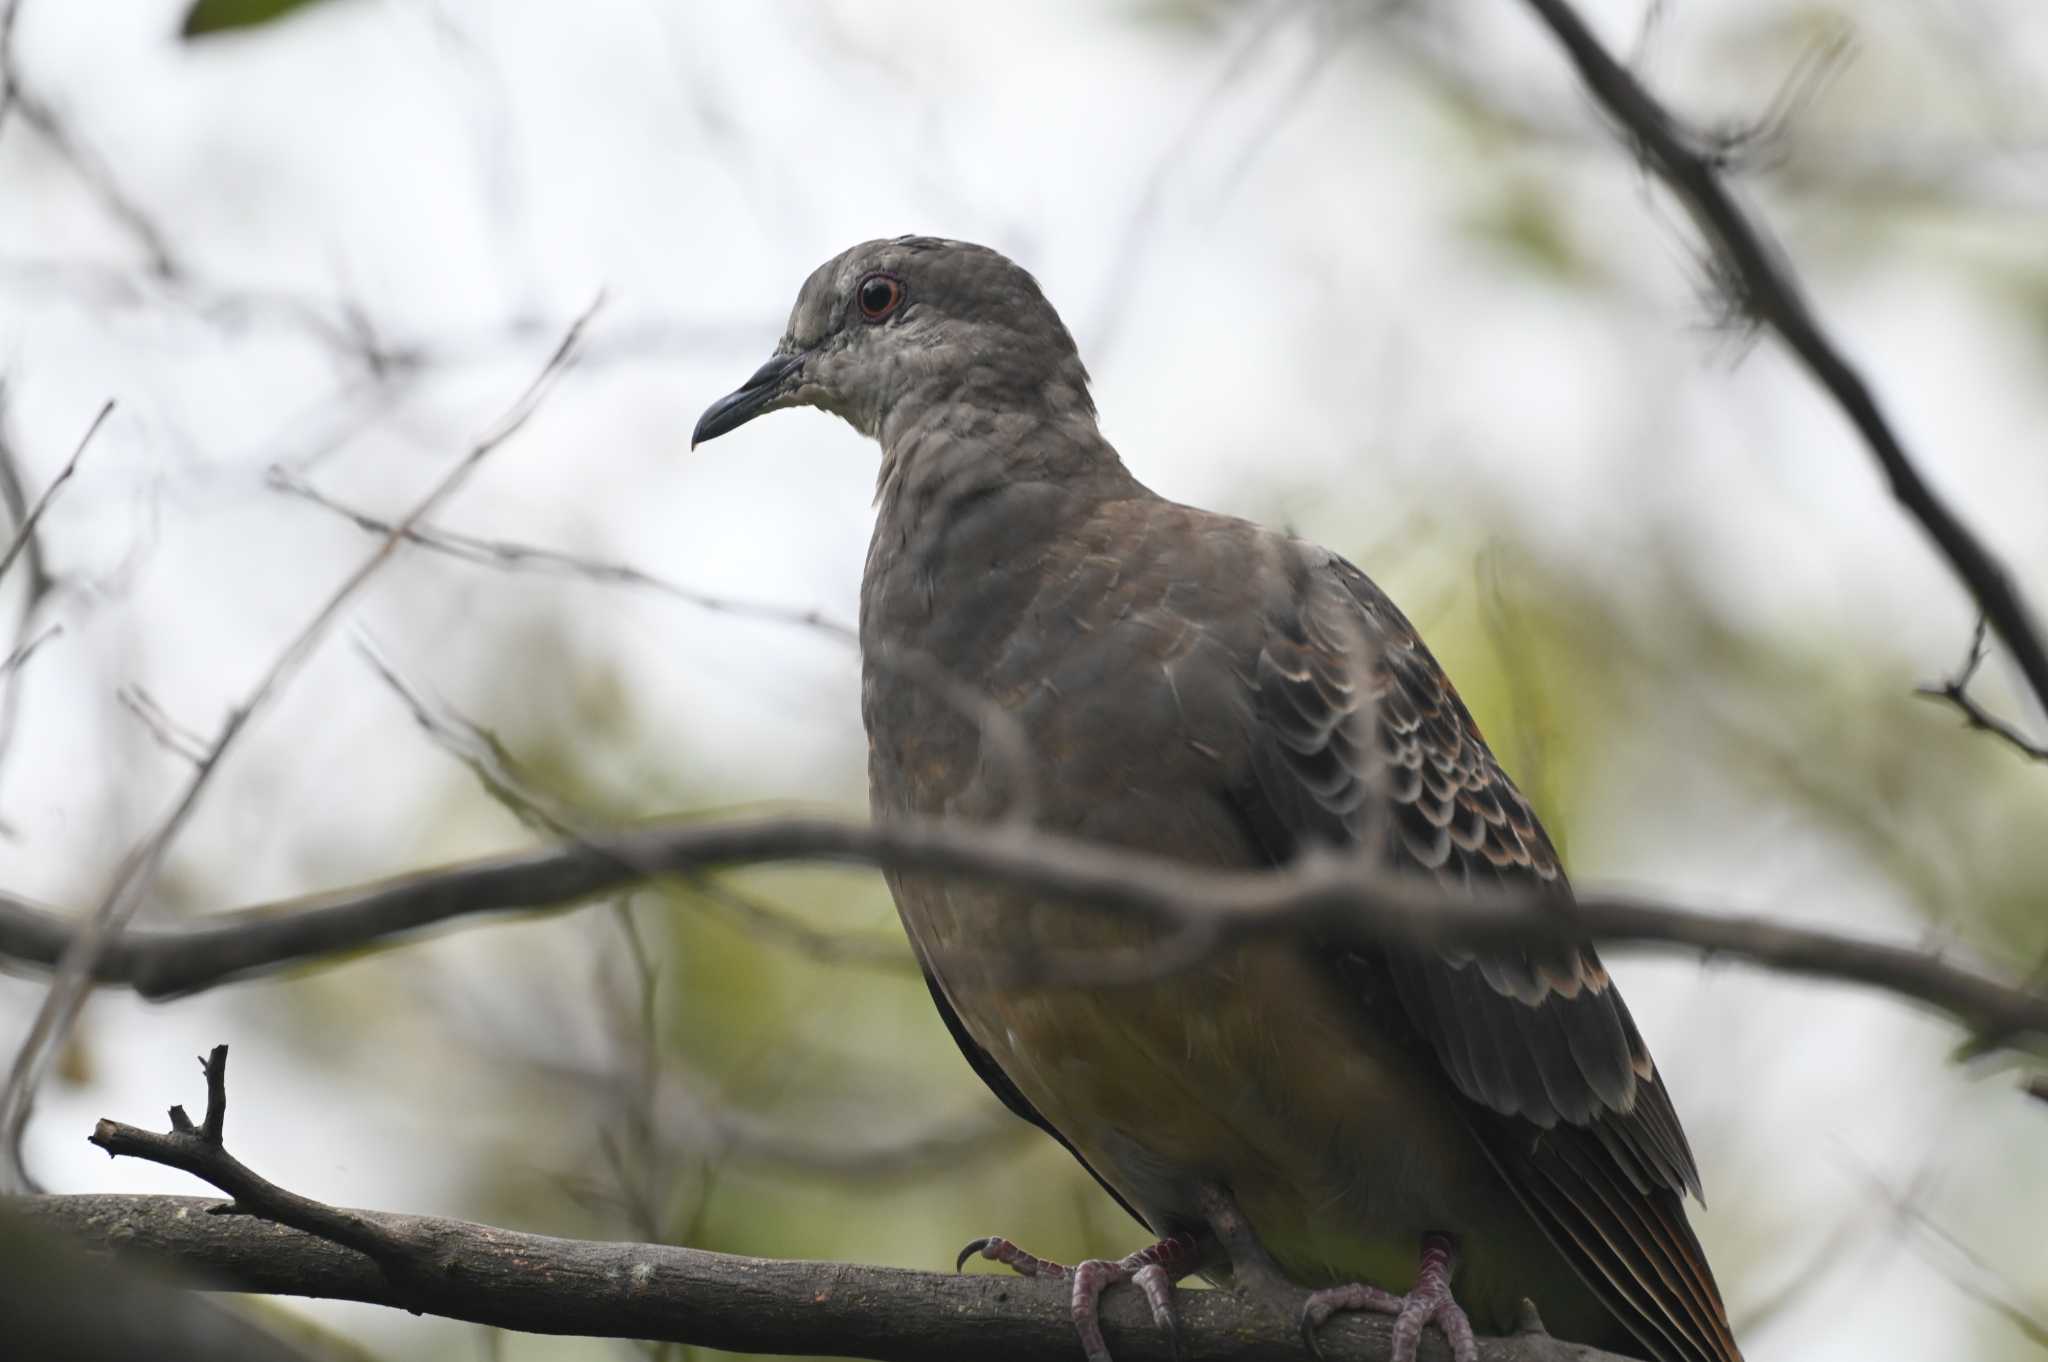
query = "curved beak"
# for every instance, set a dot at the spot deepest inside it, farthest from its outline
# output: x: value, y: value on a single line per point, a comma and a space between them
x: 749, y: 400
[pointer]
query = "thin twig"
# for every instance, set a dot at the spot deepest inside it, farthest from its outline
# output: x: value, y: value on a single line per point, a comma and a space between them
x: 201, y: 1151
x: 478, y: 749
x: 166, y: 732
x: 499, y: 774
x: 92, y: 172
x: 1770, y: 292
x: 23, y: 651
x: 1130, y: 253
x: 513, y: 556
x: 137, y: 873
x: 1956, y: 691
x: 1003, y: 731
x: 26, y: 533
x: 8, y: 92
x: 41, y: 585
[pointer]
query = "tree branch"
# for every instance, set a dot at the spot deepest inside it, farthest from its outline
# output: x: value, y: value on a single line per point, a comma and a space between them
x: 1343, y: 899
x: 547, y: 1285
x: 275, y: 1241
x: 1769, y: 291
x: 1956, y: 691
x: 25, y: 534
x: 138, y: 869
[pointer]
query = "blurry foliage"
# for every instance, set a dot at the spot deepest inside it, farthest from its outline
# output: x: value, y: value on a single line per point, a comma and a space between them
x: 1523, y: 219
x: 1205, y: 18
x: 208, y: 17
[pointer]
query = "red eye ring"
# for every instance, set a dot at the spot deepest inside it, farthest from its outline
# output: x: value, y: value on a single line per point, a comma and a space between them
x: 878, y: 295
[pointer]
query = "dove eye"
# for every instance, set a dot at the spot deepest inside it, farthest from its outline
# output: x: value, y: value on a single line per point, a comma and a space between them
x: 879, y: 295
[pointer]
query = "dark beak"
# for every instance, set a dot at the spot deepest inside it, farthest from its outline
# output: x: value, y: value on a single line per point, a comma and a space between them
x: 737, y: 408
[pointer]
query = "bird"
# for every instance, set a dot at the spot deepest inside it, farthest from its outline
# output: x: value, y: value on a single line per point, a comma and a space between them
x: 1441, y: 1135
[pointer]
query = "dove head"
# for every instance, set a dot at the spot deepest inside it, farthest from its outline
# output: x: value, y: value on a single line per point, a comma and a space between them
x: 917, y: 338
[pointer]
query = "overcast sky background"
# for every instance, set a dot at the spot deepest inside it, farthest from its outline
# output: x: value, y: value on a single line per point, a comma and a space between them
x: 1376, y: 272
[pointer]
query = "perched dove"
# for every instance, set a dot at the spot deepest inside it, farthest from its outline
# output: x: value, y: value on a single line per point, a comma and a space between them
x: 1393, y: 1125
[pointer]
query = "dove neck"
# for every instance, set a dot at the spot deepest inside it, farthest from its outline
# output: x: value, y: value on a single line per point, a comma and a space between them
x: 953, y: 444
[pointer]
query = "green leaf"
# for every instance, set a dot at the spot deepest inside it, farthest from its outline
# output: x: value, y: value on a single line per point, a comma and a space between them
x: 221, y: 16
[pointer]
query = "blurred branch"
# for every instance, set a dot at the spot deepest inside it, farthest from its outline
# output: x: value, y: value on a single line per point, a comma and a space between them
x: 137, y: 873
x: 1200, y: 910
x: 343, y: 325
x: 1969, y: 1271
x: 273, y: 1240
x: 1002, y: 729
x: 1128, y: 259
x: 503, y: 779
x: 1767, y: 290
x: 166, y: 732
x: 26, y: 649
x: 25, y: 534
x: 1978, y: 1278
x: 516, y: 557
x: 93, y: 173
x: 1956, y: 691
x: 27, y: 545
x: 480, y: 750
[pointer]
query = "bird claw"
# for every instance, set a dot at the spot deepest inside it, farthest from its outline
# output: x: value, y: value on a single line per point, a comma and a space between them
x: 1428, y: 1302
x: 997, y: 1249
x: 1153, y: 1270
x: 1157, y: 1284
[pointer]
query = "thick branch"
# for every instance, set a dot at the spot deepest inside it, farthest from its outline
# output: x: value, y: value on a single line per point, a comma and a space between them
x: 1769, y: 291
x: 542, y: 1284
x: 1342, y: 899
x: 274, y: 1240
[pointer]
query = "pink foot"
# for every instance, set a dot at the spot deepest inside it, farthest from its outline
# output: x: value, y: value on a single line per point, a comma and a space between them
x: 1429, y: 1302
x: 1153, y: 1269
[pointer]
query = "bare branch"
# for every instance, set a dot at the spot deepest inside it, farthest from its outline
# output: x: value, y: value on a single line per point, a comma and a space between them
x: 17, y: 659
x: 8, y: 17
x: 1770, y: 292
x: 91, y: 171
x: 501, y: 777
x: 25, y: 534
x: 507, y: 554
x: 28, y: 546
x: 1343, y: 900
x: 1002, y: 730
x: 274, y: 1240
x: 166, y: 732
x: 201, y: 1151
x: 1129, y: 256
x: 478, y: 749
x: 137, y: 873
x: 1956, y: 691
x: 546, y: 1285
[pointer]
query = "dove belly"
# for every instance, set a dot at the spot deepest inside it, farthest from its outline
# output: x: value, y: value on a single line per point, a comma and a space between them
x: 1248, y: 1072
